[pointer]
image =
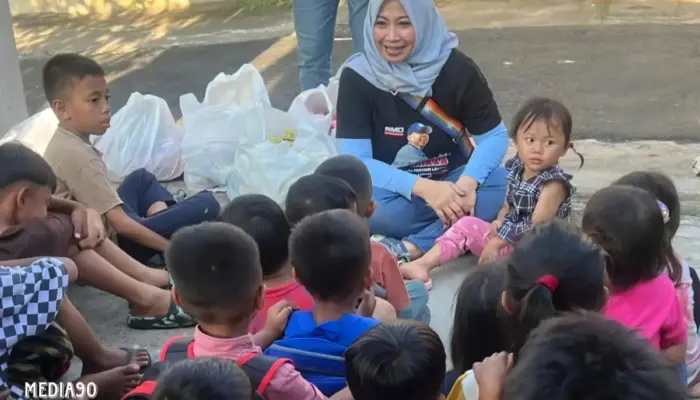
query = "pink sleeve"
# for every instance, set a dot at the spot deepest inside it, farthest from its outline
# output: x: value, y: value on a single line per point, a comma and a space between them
x: 468, y: 234
x: 674, y: 330
x: 287, y: 383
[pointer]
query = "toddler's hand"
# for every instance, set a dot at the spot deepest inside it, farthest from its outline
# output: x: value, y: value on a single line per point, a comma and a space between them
x: 495, y: 226
x: 367, y: 304
x: 491, y: 252
x: 277, y: 317
x: 491, y: 374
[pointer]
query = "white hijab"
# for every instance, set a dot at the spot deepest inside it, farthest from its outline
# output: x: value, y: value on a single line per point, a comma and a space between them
x: 416, y: 75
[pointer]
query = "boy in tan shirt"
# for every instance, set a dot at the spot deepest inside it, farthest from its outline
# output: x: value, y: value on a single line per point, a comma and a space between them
x: 141, y: 212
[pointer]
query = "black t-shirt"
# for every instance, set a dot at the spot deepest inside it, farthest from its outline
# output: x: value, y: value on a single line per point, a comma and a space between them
x: 460, y: 90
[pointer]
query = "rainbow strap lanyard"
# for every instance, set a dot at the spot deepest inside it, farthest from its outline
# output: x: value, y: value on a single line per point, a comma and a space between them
x: 431, y: 111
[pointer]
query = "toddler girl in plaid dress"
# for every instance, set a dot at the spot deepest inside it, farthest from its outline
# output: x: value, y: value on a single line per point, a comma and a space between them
x: 538, y: 191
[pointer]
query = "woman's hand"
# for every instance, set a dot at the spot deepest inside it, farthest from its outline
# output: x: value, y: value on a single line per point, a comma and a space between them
x: 443, y: 197
x: 468, y: 185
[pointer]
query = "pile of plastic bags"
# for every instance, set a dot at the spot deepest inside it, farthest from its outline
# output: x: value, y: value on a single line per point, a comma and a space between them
x: 234, y: 140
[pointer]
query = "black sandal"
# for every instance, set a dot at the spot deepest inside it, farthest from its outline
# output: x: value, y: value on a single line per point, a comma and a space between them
x: 176, y: 317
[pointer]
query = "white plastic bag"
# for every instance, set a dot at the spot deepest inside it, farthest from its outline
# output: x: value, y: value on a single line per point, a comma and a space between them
x: 35, y: 132
x: 143, y: 134
x: 212, y: 138
x: 245, y: 88
x: 269, y: 165
x: 314, y: 106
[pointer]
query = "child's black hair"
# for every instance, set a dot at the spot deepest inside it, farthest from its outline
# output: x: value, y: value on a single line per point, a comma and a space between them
x: 331, y: 254
x: 353, y: 171
x: 22, y: 164
x: 628, y: 224
x: 660, y: 186
x: 554, y: 268
x: 548, y: 110
x: 398, y: 360
x: 477, y: 330
x: 215, y: 268
x: 263, y: 219
x: 590, y: 357
x: 62, y: 70
x: 203, y: 378
x: 314, y: 193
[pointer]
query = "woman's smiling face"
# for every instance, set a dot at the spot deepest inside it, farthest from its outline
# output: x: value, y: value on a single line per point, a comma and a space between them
x: 394, y: 35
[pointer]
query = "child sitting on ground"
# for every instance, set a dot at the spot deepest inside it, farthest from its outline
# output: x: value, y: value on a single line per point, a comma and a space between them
x: 263, y: 219
x: 142, y: 212
x: 331, y: 256
x: 628, y: 223
x: 315, y: 193
x: 553, y: 269
x: 538, y: 191
x: 204, y: 378
x: 410, y: 298
x: 33, y: 301
x: 477, y: 331
x: 397, y: 360
x: 582, y: 357
x: 662, y: 188
x: 28, y: 230
x: 218, y: 279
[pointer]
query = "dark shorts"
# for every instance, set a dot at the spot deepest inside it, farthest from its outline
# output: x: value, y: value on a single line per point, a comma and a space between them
x: 41, y: 358
x: 45, y: 237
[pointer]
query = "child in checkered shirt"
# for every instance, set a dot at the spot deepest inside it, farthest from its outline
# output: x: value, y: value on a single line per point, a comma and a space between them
x: 538, y: 191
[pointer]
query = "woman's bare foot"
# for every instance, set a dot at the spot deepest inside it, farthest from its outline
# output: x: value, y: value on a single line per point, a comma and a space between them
x: 110, y: 357
x: 116, y: 382
x: 415, y: 270
x: 156, y: 207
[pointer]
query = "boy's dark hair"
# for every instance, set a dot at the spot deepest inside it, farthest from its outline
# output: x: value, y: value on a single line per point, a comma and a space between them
x: 314, y: 193
x: 331, y: 254
x: 554, y: 268
x: 215, y: 268
x: 628, y: 224
x: 263, y: 219
x: 398, y: 360
x: 590, y: 357
x: 660, y: 186
x: 20, y: 163
x: 548, y: 110
x: 204, y: 378
x: 477, y: 330
x: 62, y: 70
x: 353, y: 171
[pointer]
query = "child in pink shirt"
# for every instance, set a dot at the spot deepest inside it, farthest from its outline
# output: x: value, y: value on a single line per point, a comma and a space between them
x: 628, y: 223
x: 217, y: 278
x: 263, y: 219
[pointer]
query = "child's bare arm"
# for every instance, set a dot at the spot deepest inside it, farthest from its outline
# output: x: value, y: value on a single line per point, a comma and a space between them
x: 131, y: 229
x: 504, y: 210
x: 676, y: 353
x: 552, y: 195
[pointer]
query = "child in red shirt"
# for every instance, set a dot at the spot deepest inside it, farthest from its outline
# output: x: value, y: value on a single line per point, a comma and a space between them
x: 263, y: 219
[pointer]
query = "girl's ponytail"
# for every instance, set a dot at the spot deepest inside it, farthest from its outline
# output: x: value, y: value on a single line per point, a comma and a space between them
x: 535, y: 307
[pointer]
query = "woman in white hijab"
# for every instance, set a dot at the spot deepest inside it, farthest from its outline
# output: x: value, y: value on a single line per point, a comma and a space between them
x: 412, y: 78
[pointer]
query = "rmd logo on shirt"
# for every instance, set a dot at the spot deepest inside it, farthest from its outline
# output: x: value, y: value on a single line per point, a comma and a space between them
x: 394, y: 130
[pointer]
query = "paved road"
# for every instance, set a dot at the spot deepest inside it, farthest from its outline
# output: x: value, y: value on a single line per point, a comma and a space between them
x: 621, y: 82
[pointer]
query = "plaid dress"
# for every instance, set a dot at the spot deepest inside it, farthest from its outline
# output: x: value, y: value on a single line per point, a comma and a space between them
x: 30, y: 299
x: 522, y: 198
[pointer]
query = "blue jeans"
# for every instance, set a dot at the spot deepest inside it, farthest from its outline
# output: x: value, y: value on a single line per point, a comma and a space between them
x: 140, y: 190
x: 417, y: 309
x: 314, y: 23
x: 414, y: 220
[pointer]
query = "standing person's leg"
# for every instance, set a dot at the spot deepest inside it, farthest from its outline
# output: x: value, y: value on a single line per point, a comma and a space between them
x: 357, y: 12
x: 314, y: 23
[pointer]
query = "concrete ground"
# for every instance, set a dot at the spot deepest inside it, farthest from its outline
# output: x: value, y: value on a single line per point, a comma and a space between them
x: 631, y: 76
